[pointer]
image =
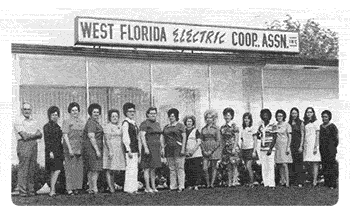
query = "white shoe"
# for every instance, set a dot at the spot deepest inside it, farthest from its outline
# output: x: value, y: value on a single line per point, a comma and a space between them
x: 148, y: 191
x: 196, y: 188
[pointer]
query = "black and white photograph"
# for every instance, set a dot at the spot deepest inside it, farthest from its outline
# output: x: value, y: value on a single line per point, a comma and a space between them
x: 232, y: 106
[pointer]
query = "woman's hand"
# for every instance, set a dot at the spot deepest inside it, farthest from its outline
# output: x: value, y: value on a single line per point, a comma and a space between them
x: 98, y: 153
x: 269, y: 152
x: 162, y: 153
x: 254, y: 154
x: 130, y: 155
x: 51, y: 155
x: 147, y: 151
x: 300, y: 150
x: 315, y: 150
x: 288, y: 151
x: 71, y: 154
x: 182, y: 153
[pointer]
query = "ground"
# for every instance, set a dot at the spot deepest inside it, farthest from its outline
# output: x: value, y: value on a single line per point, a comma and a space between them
x: 238, y: 196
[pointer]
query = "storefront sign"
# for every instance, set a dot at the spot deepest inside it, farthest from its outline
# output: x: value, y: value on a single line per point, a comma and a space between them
x: 130, y: 33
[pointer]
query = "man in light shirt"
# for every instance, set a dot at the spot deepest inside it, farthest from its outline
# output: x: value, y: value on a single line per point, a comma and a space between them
x: 28, y: 132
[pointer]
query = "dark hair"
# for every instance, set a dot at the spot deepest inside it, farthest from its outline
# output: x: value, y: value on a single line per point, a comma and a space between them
x: 175, y: 112
x: 127, y: 106
x: 94, y: 106
x: 265, y: 110
x: 72, y: 105
x: 280, y: 111
x: 190, y: 117
x: 151, y: 109
x: 297, y: 120
x: 328, y: 113
x: 249, y: 115
x: 52, y: 110
x: 110, y: 112
x: 229, y: 110
x: 313, y: 118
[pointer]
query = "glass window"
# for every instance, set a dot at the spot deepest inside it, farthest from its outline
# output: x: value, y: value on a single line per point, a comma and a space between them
x: 183, y: 86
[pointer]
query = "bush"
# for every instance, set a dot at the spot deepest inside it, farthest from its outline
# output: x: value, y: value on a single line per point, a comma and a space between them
x: 40, y: 176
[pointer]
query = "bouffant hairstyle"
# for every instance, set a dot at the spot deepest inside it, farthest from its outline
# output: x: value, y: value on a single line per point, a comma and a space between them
x: 175, y: 112
x: 250, y: 117
x: 229, y: 110
x: 190, y: 117
x: 127, y: 106
x: 52, y: 110
x: 212, y: 113
x: 280, y: 111
x: 72, y: 105
x: 297, y: 120
x: 313, y: 118
x: 94, y: 106
x: 110, y: 112
x: 151, y: 109
x: 265, y: 110
x: 328, y: 113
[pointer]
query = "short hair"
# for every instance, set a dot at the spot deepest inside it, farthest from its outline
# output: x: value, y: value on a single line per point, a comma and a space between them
x: 265, y: 110
x: 211, y: 112
x: 280, y: 111
x: 297, y: 120
x: 127, y: 106
x: 175, y: 112
x: 94, y: 106
x: 151, y: 109
x: 229, y: 110
x: 110, y: 112
x: 329, y: 113
x: 72, y: 105
x: 52, y: 110
x: 250, y: 117
x: 313, y: 118
x: 190, y: 117
x: 24, y: 103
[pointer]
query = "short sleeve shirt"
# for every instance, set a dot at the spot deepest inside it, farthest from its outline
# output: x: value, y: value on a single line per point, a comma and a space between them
x: 30, y: 126
x: 247, y: 137
x: 173, y: 139
x: 153, y: 131
x: 265, y: 135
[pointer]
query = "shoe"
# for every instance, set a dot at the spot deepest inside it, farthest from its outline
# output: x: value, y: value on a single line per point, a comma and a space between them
x: 31, y: 194
x: 70, y: 192
x: 189, y: 188
x: 180, y: 190
x: 148, y: 191
x: 255, y: 183
x: 300, y: 185
x: 155, y: 190
x: 52, y: 194
x: 23, y: 195
x: 196, y: 188
x: 92, y: 192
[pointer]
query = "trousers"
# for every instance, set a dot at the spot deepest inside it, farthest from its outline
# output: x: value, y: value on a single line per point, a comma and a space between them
x: 177, y: 172
x: 26, y: 170
x: 268, y: 168
x: 131, y: 183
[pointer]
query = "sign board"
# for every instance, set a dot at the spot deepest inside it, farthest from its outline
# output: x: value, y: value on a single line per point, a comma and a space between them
x: 144, y: 34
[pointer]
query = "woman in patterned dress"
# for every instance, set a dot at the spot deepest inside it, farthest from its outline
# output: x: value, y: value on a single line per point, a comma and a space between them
x: 113, y: 150
x: 283, y: 154
x: 311, y: 142
x: 72, y: 129
x: 211, y: 145
x: 230, y: 152
x: 92, y: 147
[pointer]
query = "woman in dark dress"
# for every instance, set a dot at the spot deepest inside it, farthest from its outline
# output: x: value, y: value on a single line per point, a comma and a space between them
x: 92, y: 147
x: 150, y: 133
x: 328, y: 148
x: 296, y: 146
x: 53, y: 147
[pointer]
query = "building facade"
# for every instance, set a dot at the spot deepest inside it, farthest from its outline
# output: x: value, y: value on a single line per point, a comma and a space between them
x: 190, y: 82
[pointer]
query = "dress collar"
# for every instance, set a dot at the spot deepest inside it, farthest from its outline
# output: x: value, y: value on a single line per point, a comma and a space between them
x: 229, y: 123
x: 130, y: 121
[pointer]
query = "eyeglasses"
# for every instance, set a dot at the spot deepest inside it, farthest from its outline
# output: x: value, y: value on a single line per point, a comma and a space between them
x: 27, y: 109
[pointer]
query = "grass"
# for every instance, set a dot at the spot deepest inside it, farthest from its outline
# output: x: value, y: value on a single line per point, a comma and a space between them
x: 238, y: 196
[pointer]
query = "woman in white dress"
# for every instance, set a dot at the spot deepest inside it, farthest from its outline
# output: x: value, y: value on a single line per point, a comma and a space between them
x: 113, y: 150
x: 311, y: 151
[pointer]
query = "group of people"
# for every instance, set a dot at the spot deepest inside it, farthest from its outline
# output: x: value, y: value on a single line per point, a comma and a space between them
x: 190, y: 152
